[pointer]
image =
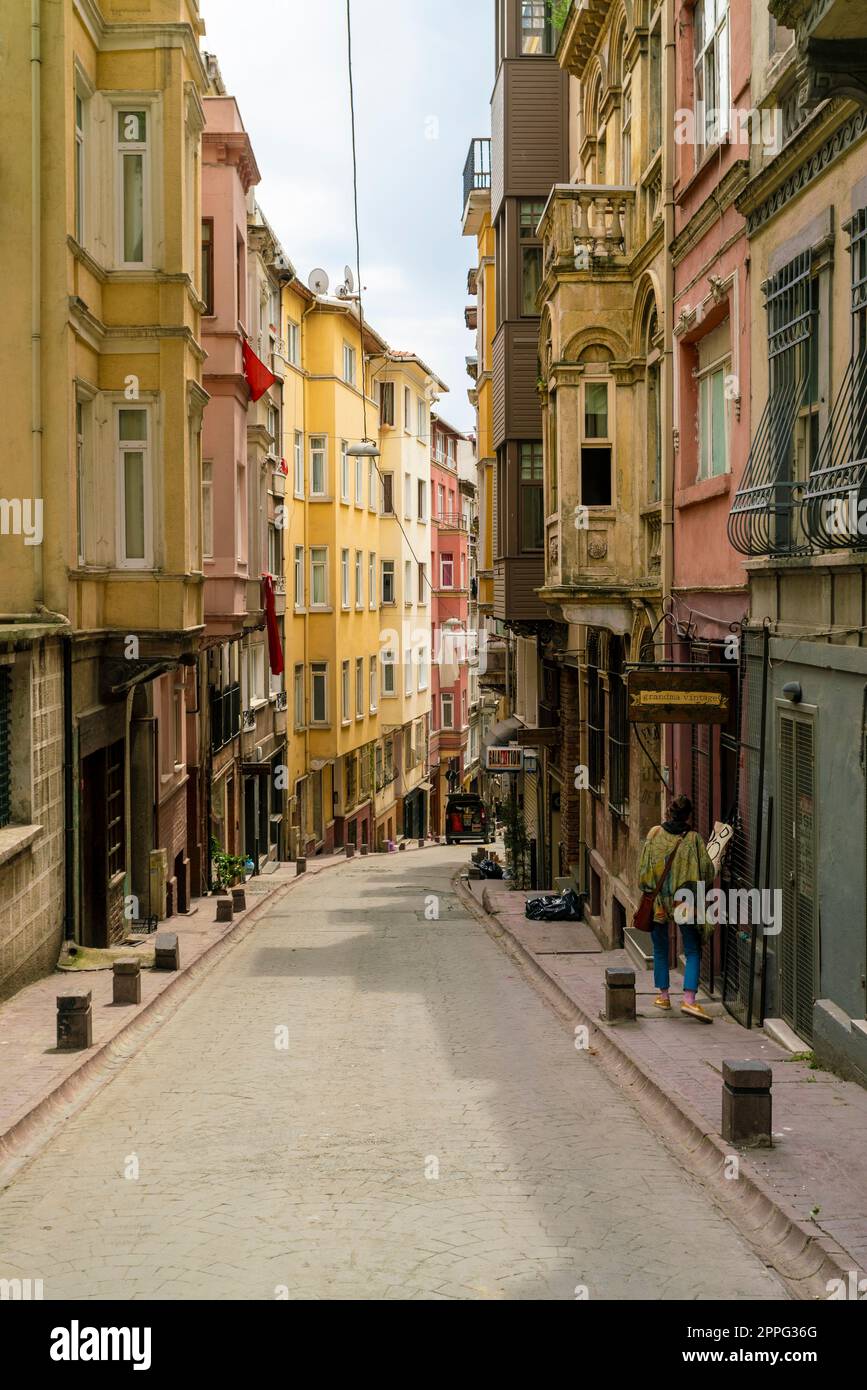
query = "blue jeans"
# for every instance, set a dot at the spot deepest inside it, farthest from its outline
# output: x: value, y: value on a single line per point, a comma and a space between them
x: 692, y: 942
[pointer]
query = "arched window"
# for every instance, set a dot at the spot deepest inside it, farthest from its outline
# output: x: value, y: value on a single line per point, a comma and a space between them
x: 596, y: 166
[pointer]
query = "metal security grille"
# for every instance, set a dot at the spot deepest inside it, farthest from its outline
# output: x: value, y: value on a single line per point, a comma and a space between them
x: 763, y: 518
x: 797, y: 863
x: 5, y: 745
x: 595, y: 716
x: 114, y: 815
x: 618, y: 727
x: 835, y: 497
x: 742, y: 759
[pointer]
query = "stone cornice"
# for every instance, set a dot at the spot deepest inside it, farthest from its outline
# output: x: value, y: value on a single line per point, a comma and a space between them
x: 235, y: 148
x: 721, y: 197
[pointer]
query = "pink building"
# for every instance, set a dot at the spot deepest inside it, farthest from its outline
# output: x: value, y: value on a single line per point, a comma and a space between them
x: 711, y: 364
x: 450, y: 581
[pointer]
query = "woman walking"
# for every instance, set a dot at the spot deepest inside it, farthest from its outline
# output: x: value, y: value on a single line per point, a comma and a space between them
x: 674, y: 846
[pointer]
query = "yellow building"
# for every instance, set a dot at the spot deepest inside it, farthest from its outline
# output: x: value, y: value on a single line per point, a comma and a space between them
x: 101, y: 219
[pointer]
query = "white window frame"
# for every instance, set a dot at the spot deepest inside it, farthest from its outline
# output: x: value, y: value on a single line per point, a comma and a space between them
x: 371, y: 579
x: 345, y: 691
x: 258, y: 693
x: 389, y: 674
x: 293, y: 343
x: 407, y: 497
x: 344, y: 579
x: 144, y: 447
x: 359, y: 480
x: 421, y: 418
x: 359, y: 579
x: 407, y: 410
x: 298, y: 697
x: 407, y: 583
x: 422, y: 583
x: 350, y: 371
x: 318, y: 672
x: 359, y: 687
x: 714, y: 47
x: 704, y: 410
x: 319, y: 452
x: 447, y: 702
x: 298, y: 449
x: 372, y: 486
x: 315, y: 564
x: 208, y: 509
x: 388, y: 569
x: 422, y: 498
x: 447, y: 560
x: 299, y: 578
x: 344, y: 472
x: 133, y: 106
x: 372, y: 683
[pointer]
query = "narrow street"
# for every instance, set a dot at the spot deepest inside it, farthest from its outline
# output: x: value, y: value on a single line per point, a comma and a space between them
x: 429, y: 1131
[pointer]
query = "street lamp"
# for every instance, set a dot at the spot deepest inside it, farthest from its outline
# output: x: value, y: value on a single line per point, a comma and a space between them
x: 365, y: 450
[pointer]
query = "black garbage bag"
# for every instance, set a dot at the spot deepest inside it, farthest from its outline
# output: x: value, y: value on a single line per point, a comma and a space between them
x: 489, y: 868
x: 561, y: 907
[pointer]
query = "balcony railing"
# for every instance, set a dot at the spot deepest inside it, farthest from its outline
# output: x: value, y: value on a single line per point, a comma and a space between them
x: 225, y: 716
x: 588, y: 226
x: 450, y: 521
x: 477, y: 170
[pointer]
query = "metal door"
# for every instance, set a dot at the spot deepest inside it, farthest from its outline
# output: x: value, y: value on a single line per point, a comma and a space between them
x: 799, y: 937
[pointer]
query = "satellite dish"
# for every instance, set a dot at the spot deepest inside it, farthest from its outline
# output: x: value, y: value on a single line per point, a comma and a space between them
x: 318, y: 282
x: 349, y: 278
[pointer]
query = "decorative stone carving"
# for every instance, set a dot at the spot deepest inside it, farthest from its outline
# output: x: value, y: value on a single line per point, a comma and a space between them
x: 597, y: 545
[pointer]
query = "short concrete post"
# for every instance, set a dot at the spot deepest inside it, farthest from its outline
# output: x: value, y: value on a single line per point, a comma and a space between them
x: 225, y: 910
x: 402, y: 846
x: 167, y: 952
x: 74, y: 1020
x: 300, y: 866
x: 127, y: 981
x: 350, y: 851
x: 421, y: 842
x: 746, y: 1104
x: 365, y: 850
x: 619, y: 995
x: 239, y: 899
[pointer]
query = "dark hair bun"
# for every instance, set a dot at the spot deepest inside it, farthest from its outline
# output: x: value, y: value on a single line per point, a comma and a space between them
x: 680, y: 809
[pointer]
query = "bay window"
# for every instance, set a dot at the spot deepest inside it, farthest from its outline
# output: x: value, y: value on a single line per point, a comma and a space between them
x: 318, y: 446
x: 319, y: 577
x: 597, y: 446
x: 132, y: 175
x: 532, y: 502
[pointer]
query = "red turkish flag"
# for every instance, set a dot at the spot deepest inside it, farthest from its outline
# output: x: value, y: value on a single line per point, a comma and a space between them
x: 257, y: 374
x: 275, y: 647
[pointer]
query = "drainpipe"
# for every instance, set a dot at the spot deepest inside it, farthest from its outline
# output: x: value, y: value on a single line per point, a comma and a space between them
x: 36, y: 269
x: 667, y: 510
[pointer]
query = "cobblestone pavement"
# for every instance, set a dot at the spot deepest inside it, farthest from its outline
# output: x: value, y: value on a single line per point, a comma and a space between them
x: 427, y: 1131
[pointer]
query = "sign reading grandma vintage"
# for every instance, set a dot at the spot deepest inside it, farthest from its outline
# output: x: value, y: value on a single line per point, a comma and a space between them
x: 679, y: 697
x: 505, y: 760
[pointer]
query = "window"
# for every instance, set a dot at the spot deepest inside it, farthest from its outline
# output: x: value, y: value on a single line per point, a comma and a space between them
x: 371, y: 484
x: 386, y: 403
x: 654, y: 128
x: 80, y: 167
x: 388, y: 595
x: 447, y: 572
x: 596, y: 455
x: 618, y: 725
x: 299, y: 464
x: 371, y: 579
x: 132, y: 156
x: 407, y: 496
x: 423, y: 667
x: 344, y: 471
x: 359, y: 687
x: 299, y: 576
x: 441, y: 502
x: 389, y: 664
x: 275, y: 550
x: 348, y: 364
x: 372, y: 684
x: 134, y: 484
x: 531, y: 261
x: 536, y: 30
x: 448, y: 711
x: 532, y: 502
x: 208, y: 264
x: 463, y: 709
x: 407, y: 582
x: 407, y: 409
x: 82, y: 433
x: 714, y: 365
x: 422, y: 581
x: 319, y: 692
x: 344, y: 692
x: 359, y: 580
x: 317, y: 466
x: 653, y: 409
x: 319, y: 577
x: 257, y: 674
x: 387, y: 494
x: 421, y: 418
x: 299, y: 697
x: 422, y: 500
x: 626, y: 135
x: 711, y: 72
x: 293, y: 343
x: 344, y: 578
x: 359, y: 481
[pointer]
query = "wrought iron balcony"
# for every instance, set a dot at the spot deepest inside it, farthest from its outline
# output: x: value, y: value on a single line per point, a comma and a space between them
x: 477, y: 169
x: 834, y: 500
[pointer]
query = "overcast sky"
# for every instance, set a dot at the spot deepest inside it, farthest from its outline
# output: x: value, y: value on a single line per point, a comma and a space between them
x: 423, y: 78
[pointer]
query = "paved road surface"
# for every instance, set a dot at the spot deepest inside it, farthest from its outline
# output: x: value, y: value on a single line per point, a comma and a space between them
x: 428, y: 1132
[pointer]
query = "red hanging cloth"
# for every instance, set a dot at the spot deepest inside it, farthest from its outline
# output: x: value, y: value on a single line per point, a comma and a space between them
x: 258, y: 376
x: 275, y: 647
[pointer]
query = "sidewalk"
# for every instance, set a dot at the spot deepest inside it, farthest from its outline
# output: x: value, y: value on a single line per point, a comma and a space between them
x: 40, y: 1087
x: 803, y: 1202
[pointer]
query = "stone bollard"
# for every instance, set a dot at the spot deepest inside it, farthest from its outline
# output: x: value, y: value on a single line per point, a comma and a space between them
x: 167, y: 952
x: 421, y: 842
x: 225, y: 910
x: 239, y: 899
x: 746, y: 1104
x: 365, y: 850
x: 402, y: 846
x: 127, y: 981
x: 350, y: 851
x: 74, y: 1020
x: 619, y: 995
x: 300, y: 867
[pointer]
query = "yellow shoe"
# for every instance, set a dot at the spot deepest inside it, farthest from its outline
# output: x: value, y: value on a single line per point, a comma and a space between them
x: 696, y: 1011
x: 662, y: 1002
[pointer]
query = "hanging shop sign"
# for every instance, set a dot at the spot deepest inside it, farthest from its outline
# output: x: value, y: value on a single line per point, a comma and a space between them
x: 679, y: 697
x: 504, y: 760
